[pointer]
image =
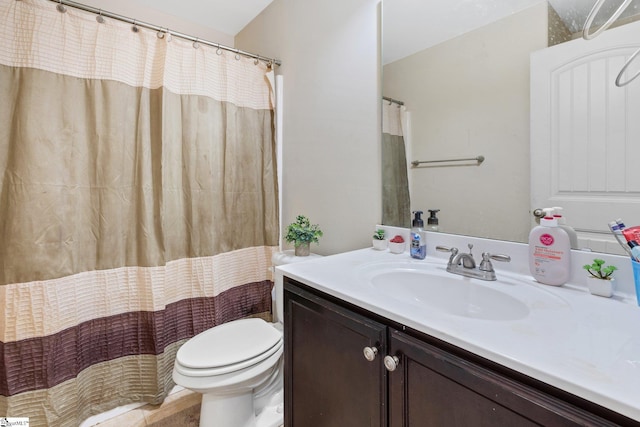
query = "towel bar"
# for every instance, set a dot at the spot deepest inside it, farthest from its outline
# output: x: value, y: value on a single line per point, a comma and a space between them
x: 478, y: 159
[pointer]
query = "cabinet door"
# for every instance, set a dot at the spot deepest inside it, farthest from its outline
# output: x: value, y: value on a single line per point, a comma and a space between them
x: 328, y: 381
x: 432, y: 387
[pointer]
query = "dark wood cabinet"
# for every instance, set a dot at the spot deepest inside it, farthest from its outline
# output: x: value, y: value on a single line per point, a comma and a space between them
x: 433, y: 387
x: 328, y: 381
x: 415, y: 380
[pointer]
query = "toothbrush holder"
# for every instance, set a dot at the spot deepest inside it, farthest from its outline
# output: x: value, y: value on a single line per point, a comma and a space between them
x: 636, y: 278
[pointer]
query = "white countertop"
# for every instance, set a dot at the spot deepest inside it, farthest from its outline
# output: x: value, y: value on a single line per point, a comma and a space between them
x: 586, y: 345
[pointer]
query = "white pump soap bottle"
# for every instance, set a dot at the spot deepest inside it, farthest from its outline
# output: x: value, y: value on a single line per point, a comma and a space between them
x: 549, y: 253
x: 556, y: 212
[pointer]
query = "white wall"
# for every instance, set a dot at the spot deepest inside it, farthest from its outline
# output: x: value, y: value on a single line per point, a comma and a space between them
x: 152, y: 16
x: 331, y: 139
x: 469, y: 96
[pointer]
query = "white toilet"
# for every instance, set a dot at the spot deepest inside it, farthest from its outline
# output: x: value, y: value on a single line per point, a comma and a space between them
x: 237, y: 366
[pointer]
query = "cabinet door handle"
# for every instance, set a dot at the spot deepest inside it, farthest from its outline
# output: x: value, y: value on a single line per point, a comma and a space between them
x: 391, y: 363
x: 370, y: 353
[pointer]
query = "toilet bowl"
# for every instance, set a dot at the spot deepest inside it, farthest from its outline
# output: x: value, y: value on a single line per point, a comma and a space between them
x: 237, y: 366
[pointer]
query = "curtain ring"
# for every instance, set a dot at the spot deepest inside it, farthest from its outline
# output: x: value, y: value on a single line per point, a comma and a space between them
x: 592, y: 15
x: 256, y: 61
x: 195, y: 44
x: 620, y: 83
x: 100, y: 18
x: 169, y: 35
x: 60, y: 7
x: 134, y: 27
x: 218, y: 51
x: 238, y: 55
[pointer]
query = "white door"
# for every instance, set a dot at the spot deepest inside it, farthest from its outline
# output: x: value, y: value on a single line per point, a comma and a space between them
x: 585, y: 134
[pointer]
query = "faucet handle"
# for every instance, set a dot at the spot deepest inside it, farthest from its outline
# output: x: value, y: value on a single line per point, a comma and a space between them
x: 454, y: 252
x: 446, y: 249
x: 500, y: 257
x: 486, y: 265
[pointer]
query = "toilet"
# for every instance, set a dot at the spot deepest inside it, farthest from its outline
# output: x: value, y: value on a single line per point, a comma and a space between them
x: 237, y: 366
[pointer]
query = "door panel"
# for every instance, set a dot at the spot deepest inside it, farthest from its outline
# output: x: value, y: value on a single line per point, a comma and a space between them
x: 585, y: 134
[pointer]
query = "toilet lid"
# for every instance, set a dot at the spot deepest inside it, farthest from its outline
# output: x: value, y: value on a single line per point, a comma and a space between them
x: 228, y: 344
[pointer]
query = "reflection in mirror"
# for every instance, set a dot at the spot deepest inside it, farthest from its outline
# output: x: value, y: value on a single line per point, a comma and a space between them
x: 464, y: 78
x: 395, y: 185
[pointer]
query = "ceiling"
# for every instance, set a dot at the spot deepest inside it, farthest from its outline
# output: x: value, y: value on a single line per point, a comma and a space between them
x: 227, y: 16
x: 408, y: 25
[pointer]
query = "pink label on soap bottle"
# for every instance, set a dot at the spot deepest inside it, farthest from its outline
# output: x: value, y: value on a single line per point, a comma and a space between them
x: 547, y: 239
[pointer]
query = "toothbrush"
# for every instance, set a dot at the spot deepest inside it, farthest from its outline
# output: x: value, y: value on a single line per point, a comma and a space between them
x: 616, y: 228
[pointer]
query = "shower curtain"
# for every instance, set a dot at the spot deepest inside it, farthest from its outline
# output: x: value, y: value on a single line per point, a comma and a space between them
x: 138, y: 207
x: 396, y: 208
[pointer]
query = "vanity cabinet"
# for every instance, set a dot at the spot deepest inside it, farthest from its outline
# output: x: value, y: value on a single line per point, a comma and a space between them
x: 413, y: 380
x: 328, y: 382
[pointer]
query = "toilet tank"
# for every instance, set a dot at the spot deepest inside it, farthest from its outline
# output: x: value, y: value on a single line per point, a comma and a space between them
x: 277, y: 295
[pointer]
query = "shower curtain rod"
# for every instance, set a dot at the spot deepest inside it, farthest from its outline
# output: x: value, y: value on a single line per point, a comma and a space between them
x: 395, y: 101
x: 163, y: 30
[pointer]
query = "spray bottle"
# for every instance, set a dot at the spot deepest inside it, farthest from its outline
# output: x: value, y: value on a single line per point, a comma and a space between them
x: 418, y: 237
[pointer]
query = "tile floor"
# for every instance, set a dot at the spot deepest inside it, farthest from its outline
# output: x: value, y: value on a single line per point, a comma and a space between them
x: 179, y: 409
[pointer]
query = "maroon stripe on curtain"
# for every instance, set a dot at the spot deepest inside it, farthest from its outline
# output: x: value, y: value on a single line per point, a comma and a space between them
x: 41, y: 363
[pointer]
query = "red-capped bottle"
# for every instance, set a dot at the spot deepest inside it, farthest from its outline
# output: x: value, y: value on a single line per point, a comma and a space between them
x: 550, y: 253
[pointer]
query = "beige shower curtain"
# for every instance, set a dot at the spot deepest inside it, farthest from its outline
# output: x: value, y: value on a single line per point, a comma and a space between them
x: 396, y: 208
x: 138, y: 207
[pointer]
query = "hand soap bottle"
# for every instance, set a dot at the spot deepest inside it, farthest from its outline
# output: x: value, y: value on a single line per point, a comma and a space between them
x: 432, y: 221
x: 418, y: 237
x: 549, y: 253
x: 562, y: 223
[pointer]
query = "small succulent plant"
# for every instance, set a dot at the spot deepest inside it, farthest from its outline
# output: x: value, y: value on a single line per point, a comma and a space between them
x: 379, y: 234
x: 599, y: 271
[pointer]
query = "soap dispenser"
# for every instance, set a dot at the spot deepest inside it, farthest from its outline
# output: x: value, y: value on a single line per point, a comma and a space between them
x: 562, y: 223
x: 418, y: 237
x: 549, y: 253
x: 432, y: 221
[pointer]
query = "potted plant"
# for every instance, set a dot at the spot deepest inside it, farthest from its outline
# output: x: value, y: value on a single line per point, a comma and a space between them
x: 600, y: 280
x: 396, y: 245
x: 379, y: 240
x: 302, y: 233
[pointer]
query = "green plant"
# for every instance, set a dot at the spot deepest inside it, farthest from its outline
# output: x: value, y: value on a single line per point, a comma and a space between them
x: 302, y: 231
x: 379, y: 234
x: 599, y: 271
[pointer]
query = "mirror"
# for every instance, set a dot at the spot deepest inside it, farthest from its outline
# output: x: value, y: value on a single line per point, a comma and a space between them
x: 462, y: 70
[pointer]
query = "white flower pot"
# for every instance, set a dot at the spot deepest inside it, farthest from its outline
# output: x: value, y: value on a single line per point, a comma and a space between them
x: 600, y: 287
x: 396, y: 248
x: 380, y: 245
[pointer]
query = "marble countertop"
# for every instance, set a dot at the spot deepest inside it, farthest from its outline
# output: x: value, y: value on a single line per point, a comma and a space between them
x: 586, y: 345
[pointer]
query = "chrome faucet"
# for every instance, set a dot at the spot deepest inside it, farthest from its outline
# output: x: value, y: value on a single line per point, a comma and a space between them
x: 465, y: 265
x: 466, y: 259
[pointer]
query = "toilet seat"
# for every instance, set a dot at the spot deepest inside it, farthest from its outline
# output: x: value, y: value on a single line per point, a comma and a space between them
x: 228, y: 347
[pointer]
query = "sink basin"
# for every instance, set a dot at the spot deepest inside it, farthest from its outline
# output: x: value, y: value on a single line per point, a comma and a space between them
x: 429, y: 285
